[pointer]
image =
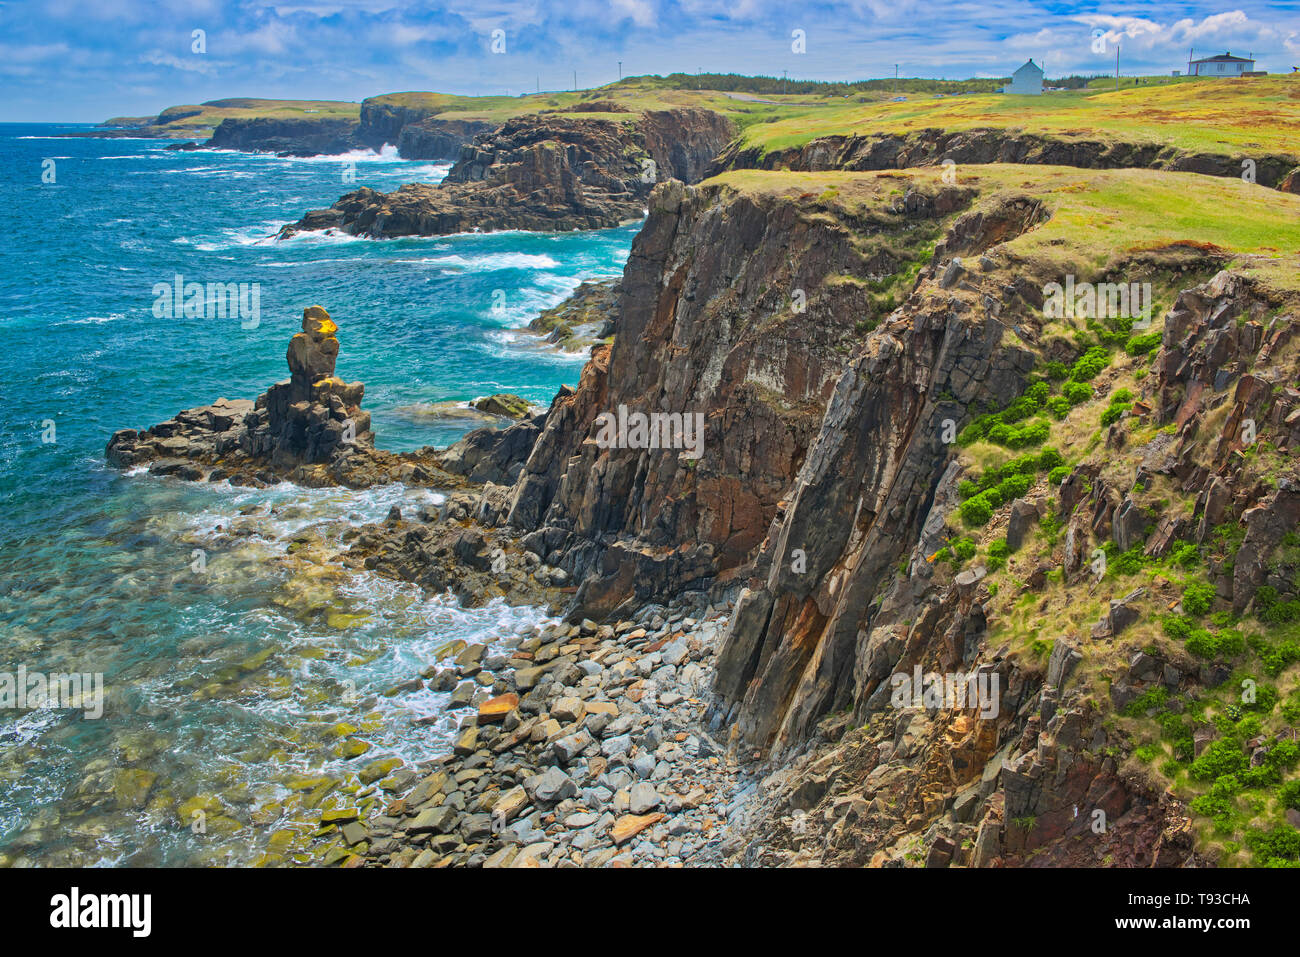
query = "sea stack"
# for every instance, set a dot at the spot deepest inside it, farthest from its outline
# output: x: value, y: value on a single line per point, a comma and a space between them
x: 312, y: 415
x: 308, y: 429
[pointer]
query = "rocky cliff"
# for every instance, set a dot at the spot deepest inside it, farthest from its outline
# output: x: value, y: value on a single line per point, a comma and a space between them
x: 871, y: 355
x: 543, y: 172
x: 435, y: 139
x: 739, y: 308
x: 879, y: 151
x: 286, y: 137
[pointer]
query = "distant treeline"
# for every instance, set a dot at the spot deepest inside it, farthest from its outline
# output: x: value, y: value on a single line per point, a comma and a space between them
x: 738, y: 83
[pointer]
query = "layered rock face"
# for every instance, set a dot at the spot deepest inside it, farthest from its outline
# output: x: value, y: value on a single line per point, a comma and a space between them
x: 544, y: 172
x: 1040, y: 780
x: 434, y: 139
x: 309, y: 429
x: 879, y: 151
x: 286, y: 137
x: 731, y: 310
x: 870, y: 480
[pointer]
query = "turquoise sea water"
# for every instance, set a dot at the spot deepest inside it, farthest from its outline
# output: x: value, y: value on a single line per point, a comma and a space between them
x: 224, y: 684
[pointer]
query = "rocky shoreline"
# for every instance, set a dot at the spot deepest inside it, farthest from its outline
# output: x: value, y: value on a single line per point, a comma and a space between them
x: 545, y: 172
x: 580, y: 744
x: 585, y: 746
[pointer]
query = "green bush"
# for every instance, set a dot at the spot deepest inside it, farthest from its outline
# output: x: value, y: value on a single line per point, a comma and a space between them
x: 1279, y: 846
x: 1056, y: 371
x: 1058, y: 474
x: 1112, y: 413
x: 1088, y: 365
x: 1197, y: 598
x: 1279, y: 658
x: 976, y: 511
x: 1127, y: 563
x: 1177, y: 627
x: 1220, y: 758
x: 1203, y: 644
x: 1155, y: 698
x: 1141, y: 345
x: 1076, y: 393
x: 964, y: 548
x: 1058, y: 407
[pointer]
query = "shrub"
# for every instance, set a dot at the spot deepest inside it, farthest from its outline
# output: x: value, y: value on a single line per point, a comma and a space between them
x: 997, y: 553
x: 1279, y: 846
x: 976, y: 511
x: 1050, y: 458
x: 1127, y: 563
x: 1088, y: 365
x: 1058, y: 407
x: 1202, y: 644
x: 1184, y: 555
x: 1277, y: 659
x: 1058, y: 474
x: 964, y: 548
x: 1155, y: 698
x: 1112, y: 413
x: 1197, y: 598
x: 1178, y: 627
x: 1056, y: 371
x: 1014, y: 487
x: 1076, y: 392
x: 1141, y: 345
x: 1220, y: 758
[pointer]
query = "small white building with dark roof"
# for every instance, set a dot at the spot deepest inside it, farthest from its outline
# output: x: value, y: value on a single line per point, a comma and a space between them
x: 1027, y: 81
x: 1225, y: 64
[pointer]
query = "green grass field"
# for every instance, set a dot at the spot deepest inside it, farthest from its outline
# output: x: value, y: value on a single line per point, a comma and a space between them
x: 1233, y: 116
x: 1210, y: 115
x: 200, y: 119
x: 1100, y: 218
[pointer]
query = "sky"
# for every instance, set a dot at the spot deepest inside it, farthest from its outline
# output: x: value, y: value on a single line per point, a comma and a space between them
x: 87, y: 60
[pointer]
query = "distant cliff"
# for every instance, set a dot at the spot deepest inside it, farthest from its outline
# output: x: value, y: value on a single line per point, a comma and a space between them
x: 543, y: 172
x: 286, y: 137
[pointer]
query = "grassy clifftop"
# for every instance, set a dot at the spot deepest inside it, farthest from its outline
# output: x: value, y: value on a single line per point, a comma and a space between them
x: 1099, y: 218
x: 1212, y: 115
x: 199, y: 120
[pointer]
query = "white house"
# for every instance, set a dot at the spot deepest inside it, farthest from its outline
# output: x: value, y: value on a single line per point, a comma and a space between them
x: 1225, y: 64
x: 1027, y: 81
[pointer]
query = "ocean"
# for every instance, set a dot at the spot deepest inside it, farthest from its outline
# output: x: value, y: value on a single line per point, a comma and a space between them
x: 238, y: 687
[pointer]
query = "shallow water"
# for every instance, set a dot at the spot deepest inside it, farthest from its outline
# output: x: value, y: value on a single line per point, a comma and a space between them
x: 232, y: 671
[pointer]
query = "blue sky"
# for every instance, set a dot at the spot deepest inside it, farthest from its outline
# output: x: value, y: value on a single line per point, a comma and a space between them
x: 85, y: 60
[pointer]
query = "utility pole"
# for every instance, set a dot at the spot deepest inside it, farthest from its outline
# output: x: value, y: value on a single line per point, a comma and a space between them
x: 1117, y: 67
x: 575, y: 81
x: 620, y: 69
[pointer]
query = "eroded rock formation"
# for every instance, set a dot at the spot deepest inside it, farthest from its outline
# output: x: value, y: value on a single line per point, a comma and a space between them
x: 309, y: 428
x: 543, y: 172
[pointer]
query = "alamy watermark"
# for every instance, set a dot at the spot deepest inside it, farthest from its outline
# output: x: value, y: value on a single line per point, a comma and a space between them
x: 23, y: 689
x: 1103, y: 300
x: 656, y: 430
x: 975, y: 689
x: 179, y: 299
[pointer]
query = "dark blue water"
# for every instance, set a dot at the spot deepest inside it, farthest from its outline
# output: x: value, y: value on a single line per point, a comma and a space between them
x: 228, y: 685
